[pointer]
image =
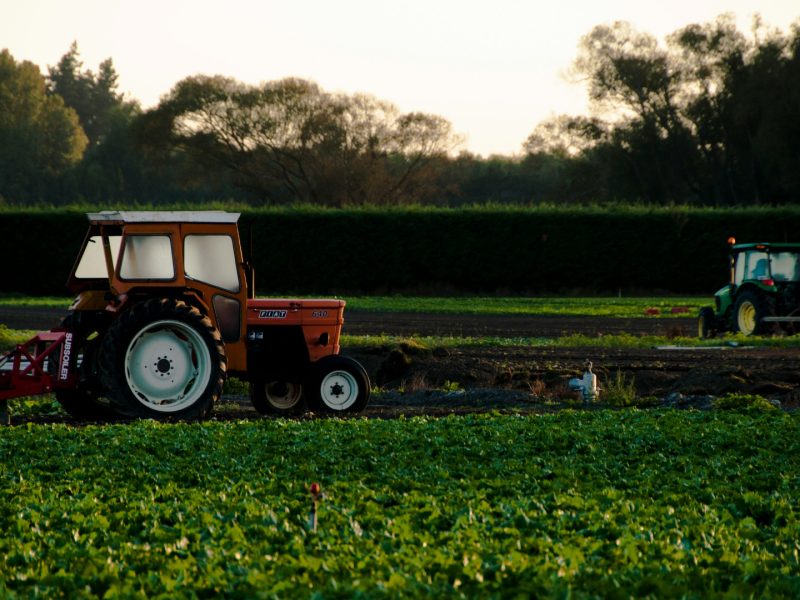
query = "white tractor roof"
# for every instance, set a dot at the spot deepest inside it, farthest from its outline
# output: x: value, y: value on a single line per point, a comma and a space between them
x: 163, y: 216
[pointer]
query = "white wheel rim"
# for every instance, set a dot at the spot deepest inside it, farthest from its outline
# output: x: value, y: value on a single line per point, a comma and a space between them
x: 283, y: 395
x: 167, y: 366
x: 339, y: 390
x: 747, y: 317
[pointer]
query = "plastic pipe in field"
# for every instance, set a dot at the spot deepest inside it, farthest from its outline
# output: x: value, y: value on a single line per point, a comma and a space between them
x: 586, y: 385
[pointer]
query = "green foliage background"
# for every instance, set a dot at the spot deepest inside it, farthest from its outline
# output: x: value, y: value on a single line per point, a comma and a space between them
x: 588, y: 504
x: 486, y: 250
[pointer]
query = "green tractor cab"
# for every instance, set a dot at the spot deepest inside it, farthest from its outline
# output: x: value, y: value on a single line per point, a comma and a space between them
x: 763, y: 293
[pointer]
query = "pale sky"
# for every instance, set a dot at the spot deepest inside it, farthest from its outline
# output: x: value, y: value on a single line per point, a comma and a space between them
x: 494, y: 69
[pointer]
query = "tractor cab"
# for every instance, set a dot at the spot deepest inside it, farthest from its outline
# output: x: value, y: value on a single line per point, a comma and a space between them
x: 766, y: 266
x: 194, y: 255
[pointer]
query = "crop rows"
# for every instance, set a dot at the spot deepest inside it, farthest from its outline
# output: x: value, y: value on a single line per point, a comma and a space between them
x: 589, y: 503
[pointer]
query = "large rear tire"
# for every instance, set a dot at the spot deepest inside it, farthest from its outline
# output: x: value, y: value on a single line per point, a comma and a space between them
x: 163, y: 359
x: 749, y: 311
x: 277, y: 397
x: 338, y: 384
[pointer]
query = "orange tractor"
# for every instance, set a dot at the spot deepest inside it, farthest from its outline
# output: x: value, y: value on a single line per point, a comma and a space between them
x: 165, y: 312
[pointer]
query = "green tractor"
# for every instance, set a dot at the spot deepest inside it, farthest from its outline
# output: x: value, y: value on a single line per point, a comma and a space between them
x: 763, y: 293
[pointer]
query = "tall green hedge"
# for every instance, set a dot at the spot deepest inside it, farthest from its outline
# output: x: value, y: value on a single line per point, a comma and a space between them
x: 541, y: 250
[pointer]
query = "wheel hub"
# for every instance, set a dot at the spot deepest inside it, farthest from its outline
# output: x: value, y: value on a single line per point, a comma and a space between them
x: 283, y: 395
x: 163, y: 365
x: 339, y: 390
x: 167, y: 366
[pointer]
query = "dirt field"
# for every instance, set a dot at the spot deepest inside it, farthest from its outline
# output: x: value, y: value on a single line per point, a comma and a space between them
x: 533, y: 378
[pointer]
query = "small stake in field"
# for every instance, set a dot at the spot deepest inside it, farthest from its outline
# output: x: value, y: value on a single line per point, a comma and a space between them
x: 316, y: 495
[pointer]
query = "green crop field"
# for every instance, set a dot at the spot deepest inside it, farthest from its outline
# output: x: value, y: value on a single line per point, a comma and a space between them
x: 576, y: 504
x: 658, y: 306
x: 620, y: 340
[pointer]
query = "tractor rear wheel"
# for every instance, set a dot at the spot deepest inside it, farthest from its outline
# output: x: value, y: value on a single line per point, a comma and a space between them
x: 749, y: 311
x: 163, y: 359
x: 338, y: 384
x: 277, y: 397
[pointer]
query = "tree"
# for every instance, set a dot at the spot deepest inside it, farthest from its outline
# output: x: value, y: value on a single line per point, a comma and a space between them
x: 40, y: 138
x: 710, y: 117
x: 289, y: 140
x: 634, y: 80
x: 111, y: 169
x: 93, y: 96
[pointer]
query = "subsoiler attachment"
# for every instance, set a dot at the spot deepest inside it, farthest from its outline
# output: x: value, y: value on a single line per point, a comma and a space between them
x: 26, y: 371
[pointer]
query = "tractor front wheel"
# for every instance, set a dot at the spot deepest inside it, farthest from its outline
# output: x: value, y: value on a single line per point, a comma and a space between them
x: 163, y: 359
x: 338, y: 384
x: 748, y: 313
x: 706, y: 323
x: 277, y: 397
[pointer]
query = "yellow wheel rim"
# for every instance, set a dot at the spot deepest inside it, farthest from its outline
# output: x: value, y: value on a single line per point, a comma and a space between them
x: 747, y: 318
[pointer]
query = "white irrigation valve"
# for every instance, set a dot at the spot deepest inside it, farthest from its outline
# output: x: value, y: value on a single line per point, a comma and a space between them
x: 586, y: 385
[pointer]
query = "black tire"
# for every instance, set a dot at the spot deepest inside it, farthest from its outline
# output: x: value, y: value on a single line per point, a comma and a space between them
x: 337, y: 384
x: 277, y: 397
x: 749, y: 311
x: 706, y: 323
x: 83, y: 402
x: 163, y: 359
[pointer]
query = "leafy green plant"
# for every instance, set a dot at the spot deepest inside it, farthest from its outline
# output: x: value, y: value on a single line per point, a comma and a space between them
x: 452, y: 386
x: 619, y: 391
x: 35, y: 406
x: 11, y: 337
x: 743, y: 402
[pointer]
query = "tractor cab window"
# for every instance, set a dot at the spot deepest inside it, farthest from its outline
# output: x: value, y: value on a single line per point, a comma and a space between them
x: 785, y: 266
x: 751, y: 265
x: 211, y: 259
x: 92, y: 264
x: 147, y: 257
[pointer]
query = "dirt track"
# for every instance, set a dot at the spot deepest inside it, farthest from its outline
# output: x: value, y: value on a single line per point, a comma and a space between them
x: 531, y: 378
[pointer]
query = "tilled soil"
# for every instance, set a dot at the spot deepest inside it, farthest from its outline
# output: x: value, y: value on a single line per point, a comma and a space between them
x: 417, y: 381
x: 542, y: 374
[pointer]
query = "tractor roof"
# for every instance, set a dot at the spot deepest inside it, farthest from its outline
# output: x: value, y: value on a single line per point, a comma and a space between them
x: 165, y: 216
x: 771, y: 246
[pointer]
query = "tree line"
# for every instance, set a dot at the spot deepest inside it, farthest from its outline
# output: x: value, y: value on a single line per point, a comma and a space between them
x: 710, y: 116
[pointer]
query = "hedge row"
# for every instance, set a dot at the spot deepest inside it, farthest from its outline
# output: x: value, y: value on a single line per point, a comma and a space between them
x: 539, y: 251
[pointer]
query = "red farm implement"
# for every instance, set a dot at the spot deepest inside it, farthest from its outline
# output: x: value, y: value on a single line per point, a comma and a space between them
x: 27, y: 370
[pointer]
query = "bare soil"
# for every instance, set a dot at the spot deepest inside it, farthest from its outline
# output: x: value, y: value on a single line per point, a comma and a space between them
x: 439, y: 381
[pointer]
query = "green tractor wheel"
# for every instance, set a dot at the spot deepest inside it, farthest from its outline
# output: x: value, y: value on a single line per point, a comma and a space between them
x: 706, y: 323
